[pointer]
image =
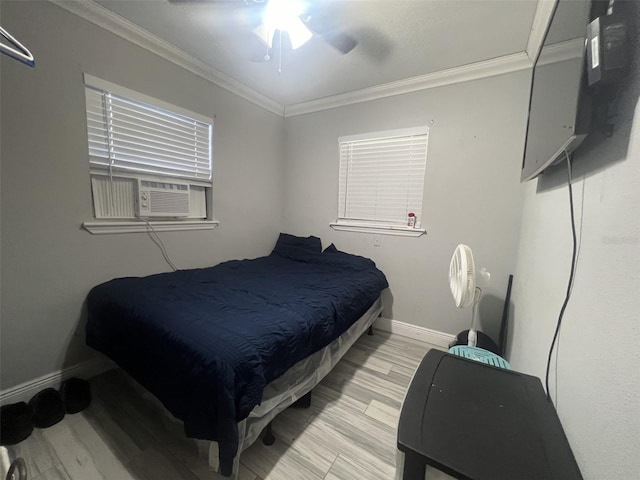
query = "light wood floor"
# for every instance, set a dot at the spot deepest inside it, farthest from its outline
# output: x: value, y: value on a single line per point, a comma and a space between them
x: 348, y: 433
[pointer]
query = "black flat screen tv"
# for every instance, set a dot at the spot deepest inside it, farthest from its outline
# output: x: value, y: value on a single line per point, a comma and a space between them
x: 559, y: 109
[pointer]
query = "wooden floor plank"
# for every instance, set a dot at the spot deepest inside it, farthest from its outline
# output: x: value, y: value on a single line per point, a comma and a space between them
x: 38, y: 455
x: 73, y: 455
x: 347, y: 468
x: 55, y: 473
x: 326, y: 398
x: 279, y: 461
x: 383, y: 413
x: 155, y: 465
x: 105, y: 461
x: 348, y: 446
x: 362, y: 359
x: 348, y: 433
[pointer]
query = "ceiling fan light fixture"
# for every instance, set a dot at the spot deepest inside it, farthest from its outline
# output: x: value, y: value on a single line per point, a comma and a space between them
x: 284, y: 15
x: 298, y: 32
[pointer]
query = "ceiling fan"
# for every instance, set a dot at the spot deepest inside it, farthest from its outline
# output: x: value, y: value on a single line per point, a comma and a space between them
x: 299, y: 20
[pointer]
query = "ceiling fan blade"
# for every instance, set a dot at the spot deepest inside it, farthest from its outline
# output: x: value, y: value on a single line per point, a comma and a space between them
x: 323, y: 24
x: 342, y: 42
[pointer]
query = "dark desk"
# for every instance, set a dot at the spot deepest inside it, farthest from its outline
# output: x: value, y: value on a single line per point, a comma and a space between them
x: 474, y: 421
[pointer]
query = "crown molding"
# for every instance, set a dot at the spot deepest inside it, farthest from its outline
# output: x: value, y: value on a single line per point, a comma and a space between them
x: 541, y: 19
x: 465, y: 73
x: 114, y: 23
x: 562, y: 51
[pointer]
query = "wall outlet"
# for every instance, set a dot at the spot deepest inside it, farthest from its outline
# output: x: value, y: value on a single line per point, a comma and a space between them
x: 377, y: 240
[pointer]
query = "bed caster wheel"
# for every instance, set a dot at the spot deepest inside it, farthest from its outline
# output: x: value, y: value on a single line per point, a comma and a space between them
x: 269, y: 438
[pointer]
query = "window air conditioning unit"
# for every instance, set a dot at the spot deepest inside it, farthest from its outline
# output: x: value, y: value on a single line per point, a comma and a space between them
x: 162, y: 199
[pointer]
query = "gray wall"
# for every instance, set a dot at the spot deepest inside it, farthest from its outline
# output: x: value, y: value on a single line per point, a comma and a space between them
x: 594, y: 377
x: 472, y: 191
x: 472, y: 195
x: 49, y: 262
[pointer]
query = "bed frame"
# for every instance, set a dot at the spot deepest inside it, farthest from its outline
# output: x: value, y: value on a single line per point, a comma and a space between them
x: 291, y: 387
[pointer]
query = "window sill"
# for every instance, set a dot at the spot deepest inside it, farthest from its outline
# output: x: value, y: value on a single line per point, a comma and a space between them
x: 107, y: 227
x: 379, y: 229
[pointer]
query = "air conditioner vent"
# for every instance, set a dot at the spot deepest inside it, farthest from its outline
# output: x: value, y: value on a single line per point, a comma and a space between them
x: 162, y: 199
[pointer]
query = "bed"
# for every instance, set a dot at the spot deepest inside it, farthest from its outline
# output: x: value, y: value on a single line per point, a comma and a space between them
x: 226, y: 348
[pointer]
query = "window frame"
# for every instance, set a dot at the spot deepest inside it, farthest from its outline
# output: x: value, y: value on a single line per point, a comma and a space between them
x: 344, y: 223
x: 126, y: 223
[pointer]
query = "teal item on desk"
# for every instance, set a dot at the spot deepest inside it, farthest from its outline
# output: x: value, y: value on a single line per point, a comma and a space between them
x: 480, y: 355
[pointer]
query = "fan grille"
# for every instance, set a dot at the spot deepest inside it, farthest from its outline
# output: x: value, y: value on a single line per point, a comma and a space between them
x: 462, y: 276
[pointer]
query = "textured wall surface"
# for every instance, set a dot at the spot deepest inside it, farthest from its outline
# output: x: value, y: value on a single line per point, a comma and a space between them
x: 594, y: 377
x: 49, y: 262
x: 472, y: 191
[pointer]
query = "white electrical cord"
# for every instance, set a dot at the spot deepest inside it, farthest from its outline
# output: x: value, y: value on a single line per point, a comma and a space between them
x: 158, y: 241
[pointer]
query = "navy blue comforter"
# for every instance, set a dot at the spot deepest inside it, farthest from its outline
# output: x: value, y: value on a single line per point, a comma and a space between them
x: 206, y: 341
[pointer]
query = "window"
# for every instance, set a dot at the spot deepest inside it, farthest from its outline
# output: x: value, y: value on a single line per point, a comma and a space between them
x: 381, y: 181
x: 148, y: 159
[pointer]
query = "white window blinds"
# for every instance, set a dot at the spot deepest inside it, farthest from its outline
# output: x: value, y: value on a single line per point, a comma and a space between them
x: 382, y: 177
x: 134, y: 133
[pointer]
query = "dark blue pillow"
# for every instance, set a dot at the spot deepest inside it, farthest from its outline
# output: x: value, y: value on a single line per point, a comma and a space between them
x: 333, y: 256
x: 331, y: 249
x: 297, y: 248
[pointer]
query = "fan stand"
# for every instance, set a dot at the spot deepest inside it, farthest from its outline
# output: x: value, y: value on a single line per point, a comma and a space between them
x: 472, y: 337
x: 471, y: 350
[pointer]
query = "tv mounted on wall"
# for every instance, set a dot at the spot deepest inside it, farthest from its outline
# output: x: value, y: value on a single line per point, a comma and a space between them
x: 575, y: 76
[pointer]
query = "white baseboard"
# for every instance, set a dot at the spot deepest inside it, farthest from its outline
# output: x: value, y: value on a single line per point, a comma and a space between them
x: 427, y: 335
x: 25, y: 391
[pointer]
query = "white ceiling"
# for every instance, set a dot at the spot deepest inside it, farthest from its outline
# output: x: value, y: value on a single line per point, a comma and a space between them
x: 396, y: 40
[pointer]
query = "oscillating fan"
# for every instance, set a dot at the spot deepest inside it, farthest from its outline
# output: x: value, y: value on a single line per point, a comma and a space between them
x: 462, y: 280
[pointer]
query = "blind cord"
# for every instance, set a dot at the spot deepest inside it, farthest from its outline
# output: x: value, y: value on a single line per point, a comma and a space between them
x: 571, y: 277
x: 158, y: 241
